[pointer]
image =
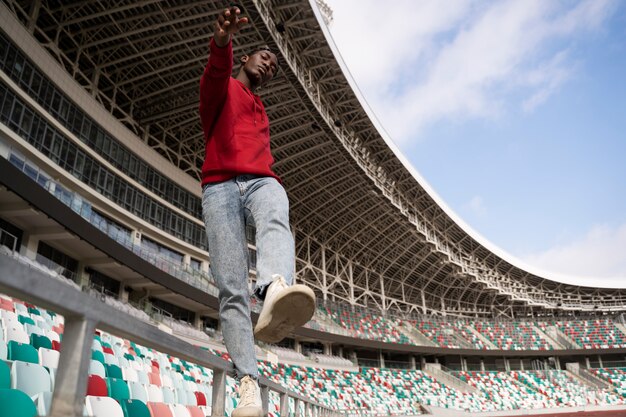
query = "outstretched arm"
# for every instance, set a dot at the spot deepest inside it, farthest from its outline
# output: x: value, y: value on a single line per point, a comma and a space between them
x: 214, y: 81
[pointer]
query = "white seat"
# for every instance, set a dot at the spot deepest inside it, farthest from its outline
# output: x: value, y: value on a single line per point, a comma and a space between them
x: 30, y: 378
x: 49, y: 358
x: 130, y: 374
x: 138, y: 391
x: 17, y: 334
x: 179, y: 410
x: 103, y: 407
x: 42, y: 402
x: 155, y: 394
x: 97, y: 368
x: 111, y: 359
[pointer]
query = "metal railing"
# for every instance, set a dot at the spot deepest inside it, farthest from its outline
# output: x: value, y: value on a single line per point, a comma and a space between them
x: 83, y: 315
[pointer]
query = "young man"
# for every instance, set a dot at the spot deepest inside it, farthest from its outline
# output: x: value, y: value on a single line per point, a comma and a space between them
x: 239, y: 186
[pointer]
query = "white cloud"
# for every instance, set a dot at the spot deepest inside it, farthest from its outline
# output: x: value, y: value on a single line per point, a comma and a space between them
x: 476, y: 205
x: 600, y: 253
x: 419, y: 63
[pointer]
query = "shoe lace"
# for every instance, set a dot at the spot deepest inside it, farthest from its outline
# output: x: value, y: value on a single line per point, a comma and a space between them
x: 247, y: 392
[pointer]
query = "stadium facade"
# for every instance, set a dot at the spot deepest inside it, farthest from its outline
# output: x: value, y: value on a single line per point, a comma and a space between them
x: 99, y: 129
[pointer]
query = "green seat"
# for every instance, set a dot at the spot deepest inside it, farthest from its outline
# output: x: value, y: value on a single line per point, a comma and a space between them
x: 129, y: 357
x: 118, y: 389
x: 5, y: 375
x: 16, y: 404
x: 113, y: 371
x: 39, y: 341
x: 34, y: 311
x: 25, y: 320
x: 97, y: 356
x: 22, y: 352
x: 135, y: 408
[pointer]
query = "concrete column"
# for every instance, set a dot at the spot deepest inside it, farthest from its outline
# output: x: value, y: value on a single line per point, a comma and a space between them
x: 70, y: 386
x: 328, y: 350
x: 297, y: 345
x: 412, y: 362
x: 381, y: 359
x: 123, y: 294
x: 482, y: 365
x: 186, y: 260
x: 197, y: 321
x: 219, y: 393
x: 82, y: 277
x: 265, y: 399
x: 29, y: 245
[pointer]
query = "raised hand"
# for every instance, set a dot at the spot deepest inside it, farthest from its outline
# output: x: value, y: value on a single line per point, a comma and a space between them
x: 228, y: 23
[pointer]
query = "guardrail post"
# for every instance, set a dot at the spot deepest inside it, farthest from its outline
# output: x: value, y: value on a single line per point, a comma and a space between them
x: 219, y: 393
x: 307, y: 410
x: 284, y: 404
x: 296, y: 407
x: 70, y: 387
x: 265, y: 399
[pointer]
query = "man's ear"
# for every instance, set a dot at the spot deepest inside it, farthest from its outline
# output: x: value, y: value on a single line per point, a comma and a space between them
x: 244, y: 59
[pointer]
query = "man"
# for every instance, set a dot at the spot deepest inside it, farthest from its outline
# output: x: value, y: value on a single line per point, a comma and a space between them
x: 239, y: 186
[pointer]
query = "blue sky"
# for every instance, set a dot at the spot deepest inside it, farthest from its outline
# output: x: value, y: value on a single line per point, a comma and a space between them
x: 513, y: 111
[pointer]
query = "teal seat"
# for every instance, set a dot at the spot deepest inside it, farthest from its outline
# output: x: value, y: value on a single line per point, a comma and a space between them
x: 34, y: 311
x: 16, y: 404
x: 98, y: 356
x: 135, y: 408
x: 39, y: 341
x: 5, y: 375
x: 118, y: 389
x: 113, y: 371
x: 22, y: 352
x: 129, y: 357
x: 25, y: 320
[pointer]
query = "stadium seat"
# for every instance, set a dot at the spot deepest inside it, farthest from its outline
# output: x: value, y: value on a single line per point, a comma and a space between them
x: 96, y: 368
x: 169, y: 396
x: 43, y: 401
x: 21, y: 352
x: 138, y: 391
x: 97, y: 386
x: 159, y: 409
x: 179, y: 410
x: 49, y: 358
x: 135, y: 408
x: 39, y: 341
x: 5, y: 375
x: 3, y: 347
x: 103, y: 407
x: 118, y: 389
x: 154, y: 393
x: 113, y: 371
x: 16, y: 403
x: 200, y: 398
x: 195, y: 411
x: 30, y: 378
x: 17, y: 334
x: 98, y: 356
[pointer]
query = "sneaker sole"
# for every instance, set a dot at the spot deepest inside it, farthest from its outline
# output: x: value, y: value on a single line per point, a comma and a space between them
x: 292, y: 310
x: 247, y: 412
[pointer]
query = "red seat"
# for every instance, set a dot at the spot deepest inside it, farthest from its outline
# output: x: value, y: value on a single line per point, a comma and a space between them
x: 159, y: 410
x: 56, y: 345
x: 155, y: 378
x: 97, y: 386
x: 200, y: 398
x: 195, y: 411
x: 108, y: 350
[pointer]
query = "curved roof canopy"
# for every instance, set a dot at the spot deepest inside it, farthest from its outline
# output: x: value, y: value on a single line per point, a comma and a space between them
x: 360, y: 212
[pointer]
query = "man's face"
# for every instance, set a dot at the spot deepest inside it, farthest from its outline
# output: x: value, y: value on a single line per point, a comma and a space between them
x: 260, y: 67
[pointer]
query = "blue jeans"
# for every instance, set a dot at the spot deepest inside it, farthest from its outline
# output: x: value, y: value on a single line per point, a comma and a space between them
x: 226, y: 208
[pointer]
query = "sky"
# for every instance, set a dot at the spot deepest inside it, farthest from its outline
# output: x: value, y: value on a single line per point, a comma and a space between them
x: 513, y: 111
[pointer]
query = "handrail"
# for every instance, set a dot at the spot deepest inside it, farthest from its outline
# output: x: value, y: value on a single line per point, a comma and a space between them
x: 83, y: 314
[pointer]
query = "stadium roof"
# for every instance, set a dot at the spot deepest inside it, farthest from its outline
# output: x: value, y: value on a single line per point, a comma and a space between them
x: 369, y: 228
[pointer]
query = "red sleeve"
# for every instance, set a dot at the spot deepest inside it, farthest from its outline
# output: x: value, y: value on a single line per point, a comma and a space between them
x: 214, y: 84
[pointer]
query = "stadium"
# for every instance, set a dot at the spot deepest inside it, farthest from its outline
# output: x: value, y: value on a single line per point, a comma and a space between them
x: 108, y: 306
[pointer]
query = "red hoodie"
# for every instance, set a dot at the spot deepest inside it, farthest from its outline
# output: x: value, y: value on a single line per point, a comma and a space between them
x: 236, y: 128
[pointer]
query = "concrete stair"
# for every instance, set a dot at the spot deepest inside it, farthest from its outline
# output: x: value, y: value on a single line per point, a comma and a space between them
x: 561, y: 338
x: 587, y: 377
x: 415, y: 335
x: 488, y: 343
x: 552, y: 342
x: 436, y: 371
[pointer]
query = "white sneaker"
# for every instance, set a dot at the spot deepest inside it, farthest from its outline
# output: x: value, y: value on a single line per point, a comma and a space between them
x: 285, y: 308
x: 249, y: 399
